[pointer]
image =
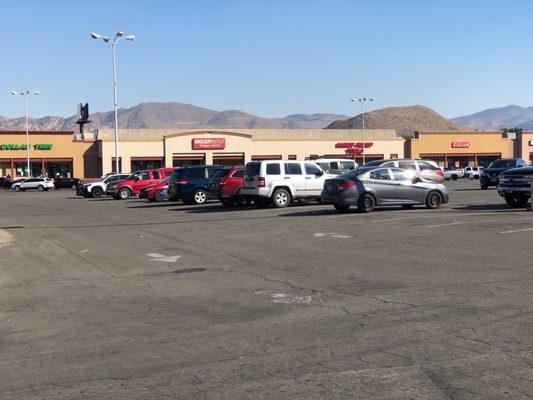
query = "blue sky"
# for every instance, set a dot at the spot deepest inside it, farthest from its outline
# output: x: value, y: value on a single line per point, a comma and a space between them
x: 270, y: 58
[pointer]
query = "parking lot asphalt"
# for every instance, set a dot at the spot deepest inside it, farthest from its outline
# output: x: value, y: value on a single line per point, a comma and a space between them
x: 105, y: 299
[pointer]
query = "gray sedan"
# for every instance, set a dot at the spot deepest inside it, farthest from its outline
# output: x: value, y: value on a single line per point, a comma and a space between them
x: 368, y: 188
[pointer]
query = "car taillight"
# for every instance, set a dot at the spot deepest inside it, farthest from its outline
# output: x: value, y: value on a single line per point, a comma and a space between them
x: 345, y: 185
x: 440, y: 173
x: 261, y: 181
x: 182, y: 181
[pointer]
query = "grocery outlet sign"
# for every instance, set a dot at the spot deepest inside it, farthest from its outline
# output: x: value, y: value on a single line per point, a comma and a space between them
x: 353, y: 147
x: 40, y: 146
x: 209, y: 144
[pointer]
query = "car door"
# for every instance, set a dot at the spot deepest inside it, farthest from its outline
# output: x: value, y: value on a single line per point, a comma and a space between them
x: 295, y: 175
x: 28, y: 184
x: 382, y: 185
x: 143, y: 179
x: 406, y: 191
x: 314, y: 179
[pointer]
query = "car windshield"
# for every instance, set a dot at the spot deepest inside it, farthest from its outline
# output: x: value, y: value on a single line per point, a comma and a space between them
x: 252, y: 169
x: 132, y: 176
x: 354, y: 172
x: 102, y: 178
x: 502, y: 164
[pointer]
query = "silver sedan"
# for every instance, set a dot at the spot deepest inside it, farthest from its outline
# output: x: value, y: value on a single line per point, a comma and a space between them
x: 368, y: 188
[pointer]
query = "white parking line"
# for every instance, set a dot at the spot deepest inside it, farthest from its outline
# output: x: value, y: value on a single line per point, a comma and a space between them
x: 390, y: 219
x: 464, y: 222
x: 518, y: 230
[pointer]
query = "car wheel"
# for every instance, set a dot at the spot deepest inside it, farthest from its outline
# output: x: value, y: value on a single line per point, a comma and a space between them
x: 454, y: 177
x: 228, y: 202
x: 407, y: 206
x: 97, y: 192
x: 366, y: 203
x: 261, y: 202
x: 40, y: 188
x: 199, y: 197
x: 242, y: 201
x: 341, y: 207
x: 281, y: 198
x: 434, y: 200
x: 124, y: 194
x: 158, y: 196
x: 484, y: 187
x: 516, y: 200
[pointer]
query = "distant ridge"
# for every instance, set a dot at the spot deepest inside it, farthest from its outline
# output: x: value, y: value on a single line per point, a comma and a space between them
x: 498, y: 118
x: 405, y: 120
x: 175, y: 115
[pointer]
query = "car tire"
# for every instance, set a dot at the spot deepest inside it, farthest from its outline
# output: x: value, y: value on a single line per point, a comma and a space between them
x: 516, y: 200
x: 484, y: 187
x: 40, y: 188
x: 281, y: 198
x: 434, y: 200
x: 341, y: 207
x: 366, y: 203
x: 242, y: 201
x: 97, y: 192
x: 124, y: 194
x: 158, y: 196
x: 228, y: 202
x: 199, y: 197
x: 454, y: 177
x: 17, y: 188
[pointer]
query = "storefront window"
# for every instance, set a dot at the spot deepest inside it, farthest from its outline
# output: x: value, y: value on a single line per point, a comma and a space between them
x: 58, y: 169
x: 113, y: 165
x: 21, y: 168
x: 137, y: 165
x: 181, y: 162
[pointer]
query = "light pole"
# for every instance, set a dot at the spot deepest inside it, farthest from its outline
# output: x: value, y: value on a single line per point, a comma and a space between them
x: 363, y: 100
x: 113, y: 42
x: 26, y: 93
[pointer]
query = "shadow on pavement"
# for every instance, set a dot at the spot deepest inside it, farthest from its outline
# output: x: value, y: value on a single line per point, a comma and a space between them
x: 488, y: 207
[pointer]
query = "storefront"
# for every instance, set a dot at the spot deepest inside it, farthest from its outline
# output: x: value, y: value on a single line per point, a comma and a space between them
x: 145, y: 148
x: 52, y: 153
x: 460, y: 149
x: 524, y: 146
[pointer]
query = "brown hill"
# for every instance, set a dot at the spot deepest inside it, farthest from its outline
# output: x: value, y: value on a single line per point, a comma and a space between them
x: 174, y: 115
x: 405, y: 120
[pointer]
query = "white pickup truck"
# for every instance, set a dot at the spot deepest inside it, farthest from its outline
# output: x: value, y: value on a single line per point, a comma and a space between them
x: 453, y: 174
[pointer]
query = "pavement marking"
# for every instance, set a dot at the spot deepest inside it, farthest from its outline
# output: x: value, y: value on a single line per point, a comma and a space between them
x: 390, y: 219
x: 518, y: 230
x: 163, y: 258
x: 83, y: 251
x: 331, y: 234
x: 286, y: 298
x: 464, y: 222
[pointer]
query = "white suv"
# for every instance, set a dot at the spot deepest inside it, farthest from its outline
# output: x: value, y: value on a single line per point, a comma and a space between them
x: 336, y: 166
x: 97, y: 189
x: 41, y: 184
x: 281, y: 182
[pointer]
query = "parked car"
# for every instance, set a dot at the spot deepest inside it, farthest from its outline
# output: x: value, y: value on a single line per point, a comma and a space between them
x: 335, y: 166
x: 380, y: 186
x: 98, y: 189
x: 426, y: 169
x: 453, y: 174
x: 5, y: 182
x: 281, y: 182
x: 474, y: 174
x: 472, y: 169
x: 227, y: 185
x: 514, y: 186
x: 191, y: 184
x: 66, y: 183
x: 132, y: 185
x: 155, y: 192
x: 41, y: 184
x: 489, y: 176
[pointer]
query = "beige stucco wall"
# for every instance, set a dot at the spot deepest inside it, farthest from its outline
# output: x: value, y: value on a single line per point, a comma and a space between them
x: 525, y: 150
x: 128, y: 148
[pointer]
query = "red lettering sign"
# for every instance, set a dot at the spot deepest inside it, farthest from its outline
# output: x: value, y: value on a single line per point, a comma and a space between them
x: 354, y: 150
x: 460, y: 145
x: 348, y: 145
x: 209, y: 144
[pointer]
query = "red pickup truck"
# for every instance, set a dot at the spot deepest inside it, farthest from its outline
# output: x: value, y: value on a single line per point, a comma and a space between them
x: 132, y: 185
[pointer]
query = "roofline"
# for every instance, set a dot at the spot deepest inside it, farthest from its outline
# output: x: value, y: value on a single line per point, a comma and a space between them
x: 37, y: 132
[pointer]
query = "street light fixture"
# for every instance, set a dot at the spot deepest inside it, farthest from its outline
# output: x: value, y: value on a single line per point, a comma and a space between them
x: 26, y: 93
x: 363, y: 100
x: 118, y: 37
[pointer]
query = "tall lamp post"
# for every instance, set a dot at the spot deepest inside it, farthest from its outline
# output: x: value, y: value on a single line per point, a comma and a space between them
x: 26, y: 93
x: 113, y: 42
x: 363, y: 100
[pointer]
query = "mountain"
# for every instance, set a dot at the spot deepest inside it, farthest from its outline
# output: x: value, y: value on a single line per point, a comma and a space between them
x: 405, y: 120
x: 497, y: 118
x: 174, y: 115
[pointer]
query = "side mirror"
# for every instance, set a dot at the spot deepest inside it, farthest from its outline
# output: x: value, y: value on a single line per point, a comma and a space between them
x: 416, y: 179
x: 319, y: 173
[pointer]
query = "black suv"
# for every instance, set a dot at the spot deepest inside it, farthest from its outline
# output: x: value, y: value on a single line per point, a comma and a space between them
x: 191, y: 184
x: 489, y: 176
x: 515, y: 185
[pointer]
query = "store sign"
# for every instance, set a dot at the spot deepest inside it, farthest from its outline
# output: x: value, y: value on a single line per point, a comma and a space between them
x: 40, y: 146
x: 460, y: 145
x: 209, y: 144
x: 349, y: 145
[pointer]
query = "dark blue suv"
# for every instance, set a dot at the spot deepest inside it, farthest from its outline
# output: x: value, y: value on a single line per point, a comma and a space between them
x: 191, y: 184
x: 490, y: 175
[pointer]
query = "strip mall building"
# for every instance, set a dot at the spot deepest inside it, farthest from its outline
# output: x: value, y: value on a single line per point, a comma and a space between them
x: 140, y: 148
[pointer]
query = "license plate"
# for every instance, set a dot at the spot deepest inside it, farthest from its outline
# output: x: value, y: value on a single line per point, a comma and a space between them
x: 508, y: 190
